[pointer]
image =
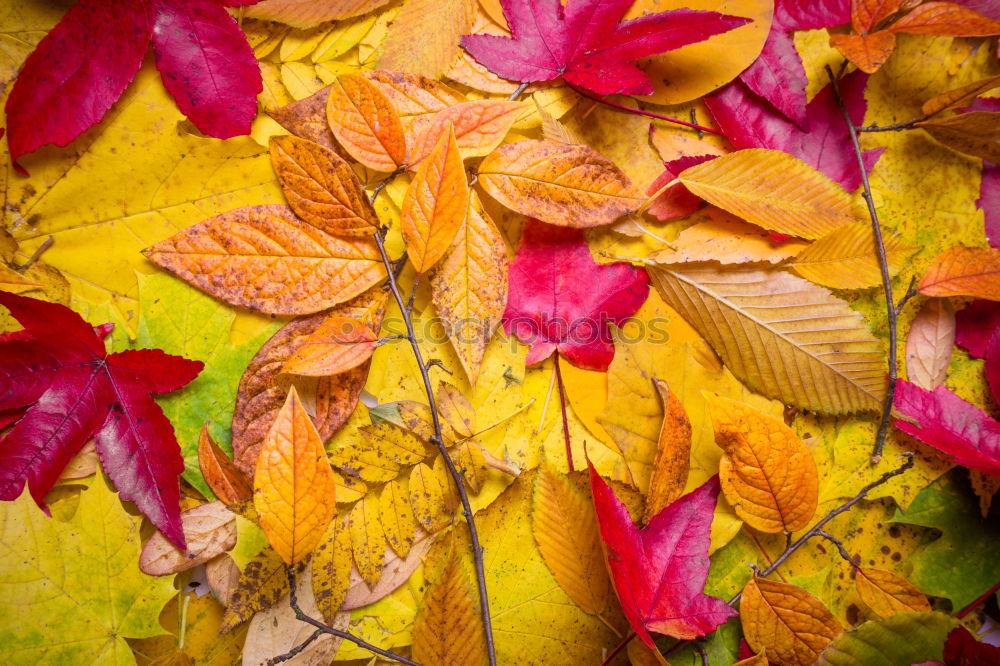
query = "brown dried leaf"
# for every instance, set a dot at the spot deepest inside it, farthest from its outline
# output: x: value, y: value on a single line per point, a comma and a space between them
x: 673, y: 454
x: 223, y: 577
x: 396, y: 571
x: 929, y: 343
x: 263, y: 581
x: 306, y: 119
x: 976, y: 133
x: 209, y: 529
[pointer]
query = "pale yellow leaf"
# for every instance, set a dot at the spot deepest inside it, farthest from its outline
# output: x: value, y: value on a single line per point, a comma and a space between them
x: 423, y: 38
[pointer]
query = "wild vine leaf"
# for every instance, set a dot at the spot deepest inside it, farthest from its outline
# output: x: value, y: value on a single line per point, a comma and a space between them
x: 973, y: 133
x: 479, y: 126
x: 781, y: 336
x: 888, y: 593
x: 304, y: 14
x: 267, y: 259
x: 367, y: 540
x: 846, y: 258
x: 791, y: 624
x: 964, y: 271
x: 228, y: 482
x: 557, y: 183
x: 929, y: 343
x: 365, y: 123
x: 209, y: 531
x: 673, y: 454
x: 337, y: 345
x: 293, y: 484
x: 905, y: 638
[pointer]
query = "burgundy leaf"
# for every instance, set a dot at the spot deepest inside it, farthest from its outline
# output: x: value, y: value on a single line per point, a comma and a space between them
x: 992, y: 365
x: 975, y: 324
x: 778, y: 76
x: 962, y: 649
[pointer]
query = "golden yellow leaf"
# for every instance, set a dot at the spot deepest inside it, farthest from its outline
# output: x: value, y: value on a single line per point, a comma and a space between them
x: 418, y: 419
x: 365, y: 124
x: 344, y: 36
x: 964, y: 271
x: 396, y: 516
x: 331, y: 569
x: 728, y: 240
x: 310, y: 13
x: 367, y: 540
x: 293, y: 484
x: 322, y: 188
x: 432, y: 495
x: 469, y: 287
x: 364, y: 459
x: 792, y: 625
x: 227, y: 482
x: 867, y: 52
x: 456, y: 409
x: 423, y: 38
x: 767, y: 474
x: 14, y: 282
x: 976, y: 133
x: 266, y: 259
x: 263, y: 581
x: 774, y: 190
x: 349, y: 488
x: 673, y: 453
x: 929, y: 343
x: 888, y: 593
x: 846, y: 258
x: 337, y: 345
x: 198, y: 623
x: 395, y: 443
x: 552, y: 129
x: 566, y: 185
x: 565, y: 529
x: 959, y: 96
x: 781, y: 336
x: 435, y: 204
x: 470, y: 461
x: 479, y: 126
x: 448, y: 629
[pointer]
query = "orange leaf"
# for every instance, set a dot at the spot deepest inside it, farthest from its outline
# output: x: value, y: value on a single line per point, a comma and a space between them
x: 365, y: 123
x: 424, y: 36
x: 673, y: 453
x: 866, y: 13
x: 952, y: 99
x: 976, y: 133
x: 322, y: 188
x: 338, y: 345
x: 435, y: 204
x: 946, y: 18
x: 793, y: 626
x: 266, y: 259
x: 964, y: 271
x: 416, y: 98
x: 227, y: 482
x: 566, y: 185
x: 887, y: 593
x: 725, y: 238
x: 767, y: 473
x: 867, y: 52
x: 929, y: 344
x: 479, y: 127
x: 294, y: 485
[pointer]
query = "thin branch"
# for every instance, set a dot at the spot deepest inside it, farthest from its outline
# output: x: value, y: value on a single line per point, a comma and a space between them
x: 618, y: 648
x: 840, y: 547
x: 980, y: 599
x: 295, y: 651
x: 890, y: 304
x: 911, y: 291
x: 890, y: 128
x: 36, y: 255
x: 520, y: 89
x: 562, y: 405
x: 643, y: 112
x: 436, y: 362
x: 700, y: 649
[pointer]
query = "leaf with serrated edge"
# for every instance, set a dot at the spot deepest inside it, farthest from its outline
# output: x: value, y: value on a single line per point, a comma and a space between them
x: 964, y: 271
x: 791, y: 624
x: 365, y: 124
x: 847, y: 259
x: 456, y: 409
x: 888, y: 593
x: 396, y: 516
x: 479, y: 126
x: 929, y: 343
x: 416, y: 98
x: 673, y: 453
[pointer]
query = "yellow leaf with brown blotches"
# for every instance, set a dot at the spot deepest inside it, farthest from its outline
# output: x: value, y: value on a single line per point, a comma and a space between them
x: 964, y: 271
x: 565, y: 529
x: 263, y: 581
x: 435, y: 204
x: 396, y: 516
x: 867, y: 52
x: 929, y: 343
x: 367, y: 540
x: 479, y: 127
x: 293, y: 483
x: 888, y: 593
x: 470, y: 461
x: 331, y: 569
x: 337, y: 345
x: 846, y: 258
x: 395, y: 443
x: 322, y: 188
x: 767, y: 474
x: 558, y: 183
x: 309, y: 13
x: 976, y: 133
x: 774, y: 190
x: 227, y: 482
x: 365, y: 460
x: 673, y: 453
x: 432, y: 495
x: 365, y: 124
x: 953, y: 99
x: 424, y: 36
x: 793, y: 626
x: 456, y: 409
x: 266, y: 259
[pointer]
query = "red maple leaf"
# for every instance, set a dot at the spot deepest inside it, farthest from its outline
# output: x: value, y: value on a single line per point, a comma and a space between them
x: 81, y: 68
x: 561, y: 299
x: 585, y: 44
x: 73, y: 389
x: 659, y: 571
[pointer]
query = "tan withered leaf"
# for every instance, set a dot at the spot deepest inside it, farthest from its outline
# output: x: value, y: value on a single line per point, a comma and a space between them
x: 306, y: 119
x: 209, y: 530
x: 888, y: 593
x: 673, y: 454
x: 423, y: 38
x: 953, y: 99
x: 479, y: 127
x: 339, y: 344
x: 565, y: 528
x: 793, y: 626
x: 976, y: 133
x: 223, y: 576
x: 365, y: 123
x: 781, y: 336
x: 456, y: 409
x: 396, y: 516
x: 469, y: 287
x: 367, y: 540
x: 774, y: 190
x: 322, y: 188
x: 260, y: 395
x: 263, y: 581
x: 929, y: 343
x: 566, y: 185
x: 767, y: 474
x: 417, y: 99
x: 331, y: 569
x: 395, y: 572
x: 310, y: 13
x: 728, y: 240
x: 847, y: 259
x: 227, y: 482
x: 435, y: 204
x: 964, y: 271
x: 267, y: 259
x: 448, y: 628
x: 293, y: 483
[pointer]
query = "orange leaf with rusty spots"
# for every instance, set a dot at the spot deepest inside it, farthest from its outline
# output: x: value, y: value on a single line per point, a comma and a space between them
x: 946, y: 18
x: 867, y: 52
x: 558, y: 183
x: 793, y: 626
x: 338, y: 345
x: 767, y: 473
x: 294, y: 486
x: 267, y: 259
x: 964, y: 271
x: 673, y: 453
x: 435, y: 203
x: 479, y: 127
x: 365, y: 123
x: 227, y: 482
x: 888, y: 593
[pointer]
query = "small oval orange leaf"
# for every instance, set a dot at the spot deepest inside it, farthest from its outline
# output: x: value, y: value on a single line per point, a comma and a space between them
x: 338, y: 345
x: 365, y: 124
x: 793, y: 626
x: 964, y: 271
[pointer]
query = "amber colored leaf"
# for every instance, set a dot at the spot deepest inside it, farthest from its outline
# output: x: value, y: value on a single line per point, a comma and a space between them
x: 367, y: 540
x: 293, y: 483
x: 728, y: 240
x: 263, y: 581
x: 14, y: 282
x: 331, y: 569
x: 888, y: 593
x: 946, y: 18
x: 558, y: 183
x: 432, y: 496
x: 673, y: 453
x: 396, y: 516
x: 424, y: 36
x: 349, y: 489
x: 435, y: 204
x: 339, y: 344
x: 448, y: 628
x: 846, y: 258
x: 266, y: 259
x: 953, y: 99
x: 479, y: 127
x: 772, y: 189
x: 222, y: 575
x: 565, y: 527
x: 306, y: 119
x: 553, y: 130
x: 322, y: 188
x: 781, y: 336
x: 767, y: 474
x: 867, y: 52
x: 929, y: 343
x: 865, y: 14
x: 456, y: 409
x: 791, y: 624
x: 365, y: 123
x: 417, y: 99
x: 209, y: 530
x: 976, y: 133
x: 964, y: 271
x: 227, y: 482
x: 469, y: 287
x: 309, y: 13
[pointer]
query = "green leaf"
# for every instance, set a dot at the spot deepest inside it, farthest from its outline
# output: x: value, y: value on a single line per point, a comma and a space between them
x: 906, y: 638
x: 73, y: 591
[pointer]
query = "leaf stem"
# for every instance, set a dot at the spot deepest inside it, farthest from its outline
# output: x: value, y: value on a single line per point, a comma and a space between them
x: 562, y: 406
x: 890, y: 128
x: 840, y: 547
x: 980, y: 599
x: 618, y: 648
x: 643, y: 112
x: 36, y: 255
x: 517, y: 93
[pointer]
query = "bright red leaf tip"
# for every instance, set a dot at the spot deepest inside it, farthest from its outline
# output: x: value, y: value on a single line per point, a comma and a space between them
x: 561, y: 299
x: 951, y: 425
x: 585, y: 43
x: 659, y: 571
x: 70, y: 389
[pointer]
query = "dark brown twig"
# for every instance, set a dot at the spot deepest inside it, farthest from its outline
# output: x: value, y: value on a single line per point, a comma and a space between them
x: 562, y: 405
x: 911, y: 291
x: 291, y: 654
x: 643, y: 112
x: 890, y: 128
x: 840, y: 546
x: 700, y: 649
x: 618, y: 648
